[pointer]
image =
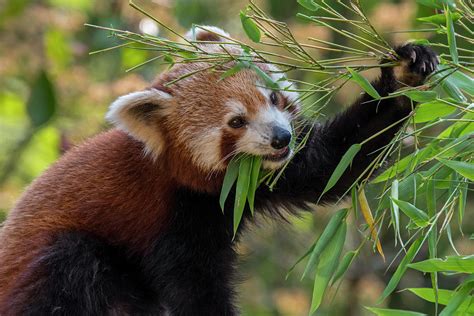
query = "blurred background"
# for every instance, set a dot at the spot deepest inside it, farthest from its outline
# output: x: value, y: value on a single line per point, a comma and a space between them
x: 44, y: 57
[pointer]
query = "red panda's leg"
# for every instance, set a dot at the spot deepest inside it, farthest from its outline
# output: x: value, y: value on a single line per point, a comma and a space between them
x: 308, y: 173
x: 76, y: 275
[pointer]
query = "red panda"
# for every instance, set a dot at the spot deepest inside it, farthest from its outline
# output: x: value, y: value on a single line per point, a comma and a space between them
x: 129, y: 222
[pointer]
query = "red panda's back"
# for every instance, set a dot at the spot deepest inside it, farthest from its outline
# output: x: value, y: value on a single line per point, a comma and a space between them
x: 106, y: 186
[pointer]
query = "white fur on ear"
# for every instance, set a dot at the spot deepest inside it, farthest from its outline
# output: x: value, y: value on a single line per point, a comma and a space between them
x: 206, y: 33
x: 138, y: 114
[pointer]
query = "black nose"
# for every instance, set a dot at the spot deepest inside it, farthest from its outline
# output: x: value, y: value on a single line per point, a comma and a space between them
x: 281, y: 137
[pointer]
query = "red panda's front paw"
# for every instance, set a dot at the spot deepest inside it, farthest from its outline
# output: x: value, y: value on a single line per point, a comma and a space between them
x: 417, y: 63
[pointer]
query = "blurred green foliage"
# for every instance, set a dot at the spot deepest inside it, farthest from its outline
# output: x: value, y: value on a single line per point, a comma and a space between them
x: 53, y: 94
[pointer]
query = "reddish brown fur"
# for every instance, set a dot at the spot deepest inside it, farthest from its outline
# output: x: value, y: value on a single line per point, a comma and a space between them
x: 106, y: 186
x: 209, y: 37
x: 228, y: 145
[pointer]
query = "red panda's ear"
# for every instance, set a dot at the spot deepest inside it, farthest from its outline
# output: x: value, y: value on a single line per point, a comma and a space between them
x: 207, y: 33
x: 139, y: 114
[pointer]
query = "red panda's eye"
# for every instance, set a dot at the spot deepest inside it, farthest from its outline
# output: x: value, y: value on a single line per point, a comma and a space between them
x: 237, y: 122
x: 274, y: 98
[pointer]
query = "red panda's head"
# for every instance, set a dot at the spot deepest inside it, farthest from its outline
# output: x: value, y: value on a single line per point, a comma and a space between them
x: 204, y: 119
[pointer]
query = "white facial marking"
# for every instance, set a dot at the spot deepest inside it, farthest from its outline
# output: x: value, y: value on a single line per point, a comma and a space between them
x: 264, y: 91
x: 258, y: 137
x: 206, y: 149
x: 235, y: 107
x: 271, y: 115
x: 270, y: 165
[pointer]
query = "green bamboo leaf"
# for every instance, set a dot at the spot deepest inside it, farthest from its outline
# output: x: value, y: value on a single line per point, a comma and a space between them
x: 327, y: 266
x: 460, y: 128
x: 168, y: 59
x: 402, y: 267
x: 354, y: 200
x: 451, y: 89
x: 464, y: 143
x: 420, y: 96
x: 432, y: 110
x: 309, y: 4
x: 186, y: 55
x: 241, y: 191
x: 323, y: 240
x: 444, y: 296
x: 462, y: 203
x: 232, y: 71
x: 229, y: 179
x: 439, y: 19
x: 415, y: 214
x: 344, y: 265
x: 432, y: 234
x: 442, y: 172
x: 452, y: 263
x: 310, y: 250
x: 254, y: 176
x: 392, y: 312
x: 402, y: 165
x: 453, y: 50
x: 462, y: 81
x: 454, y: 185
x: 269, y: 82
x: 450, y: 236
x: 407, y: 189
x: 460, y: 297
x: 395, y: 210
x: 250, y: 27
x: 454, y: 83
x: 463, y: 168
x: 413, y: 163
x: 41, y: 105
x: 364, y: 84
x: 346, y: 160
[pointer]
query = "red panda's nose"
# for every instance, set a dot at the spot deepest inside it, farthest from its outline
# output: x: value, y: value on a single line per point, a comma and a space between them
x: 281, y: 137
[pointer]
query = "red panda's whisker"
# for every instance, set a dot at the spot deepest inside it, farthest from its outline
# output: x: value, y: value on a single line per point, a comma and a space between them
x: 215, y: 171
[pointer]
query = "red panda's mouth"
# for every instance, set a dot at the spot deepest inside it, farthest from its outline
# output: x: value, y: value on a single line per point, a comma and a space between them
x: 278, y: 155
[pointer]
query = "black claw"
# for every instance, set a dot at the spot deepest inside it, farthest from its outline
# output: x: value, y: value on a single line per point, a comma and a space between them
x: 422, y: 60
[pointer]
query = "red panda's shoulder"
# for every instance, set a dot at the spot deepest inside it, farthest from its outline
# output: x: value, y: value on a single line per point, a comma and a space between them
x: 107, y: 186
